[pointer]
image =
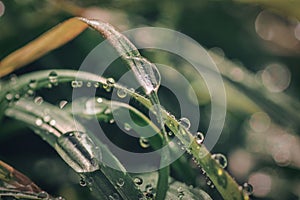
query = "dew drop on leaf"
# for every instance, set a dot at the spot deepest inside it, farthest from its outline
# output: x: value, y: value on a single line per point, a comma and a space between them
x: 221, y: 159
x: 121, y: 93
x: 144, y: 142
x: 53, y: 78
x: 199, y: 138
x: 82, y: 182
x: 138, y: 181
x: 185, y: 122
x: 62, y: 104
x: 38, y: 122
x: 38, y: 100
x: 247, y: 188
x: 43, y: 195
x: 32, y: 84
x: 120, y: 182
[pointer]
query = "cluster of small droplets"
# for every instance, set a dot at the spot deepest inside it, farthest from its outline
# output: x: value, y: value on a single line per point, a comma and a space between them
x: 144, y: 143
x: 221, y: 159
x: 109, y: 84
x: 209, y: 183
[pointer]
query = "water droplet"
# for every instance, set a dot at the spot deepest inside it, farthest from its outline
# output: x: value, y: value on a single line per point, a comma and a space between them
x: 121, y: 93
x: 38, y: 100
x: 149, y: 188
x: 127, y: 127
x: 30, y: 92
x: 199, y: 138
x: 43, y: 195
x: 120, y: 182
x: 32, y: 84
x: 99, y: 100
x: 111, y: 121
x: 76, y: 84
x: 88, y: 84
x: 147, y: 74
x: 52, y: 122
x: 53, y: 78
x: 38, y: 122
x: 62, y: 104
x: 46, y: 118
x: 185, y: 122
x: 138, y: 181
x: 144, y: 142
x: 82, y: 182
x: 247, y: 188
x: 96, y: 84
x: 221, y: 159
x: 9, y: 96
x: 170, y: 133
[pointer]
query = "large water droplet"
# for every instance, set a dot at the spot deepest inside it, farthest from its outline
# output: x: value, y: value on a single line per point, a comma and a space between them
x: 185, y: 122
x: 121, y: 93
x: 147, y: 74
x: 138, y: 181
x: 79, y: 151
x: 144, y: 142
x: 221, y: 159
x: 53, y: 78
x: 199, y: 138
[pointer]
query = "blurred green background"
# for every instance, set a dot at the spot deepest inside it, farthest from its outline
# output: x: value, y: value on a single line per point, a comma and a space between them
x: 256, y: 45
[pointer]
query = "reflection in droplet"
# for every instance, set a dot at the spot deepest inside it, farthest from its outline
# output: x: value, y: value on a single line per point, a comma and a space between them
x: 276, y: 77
x: 260, y: 122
